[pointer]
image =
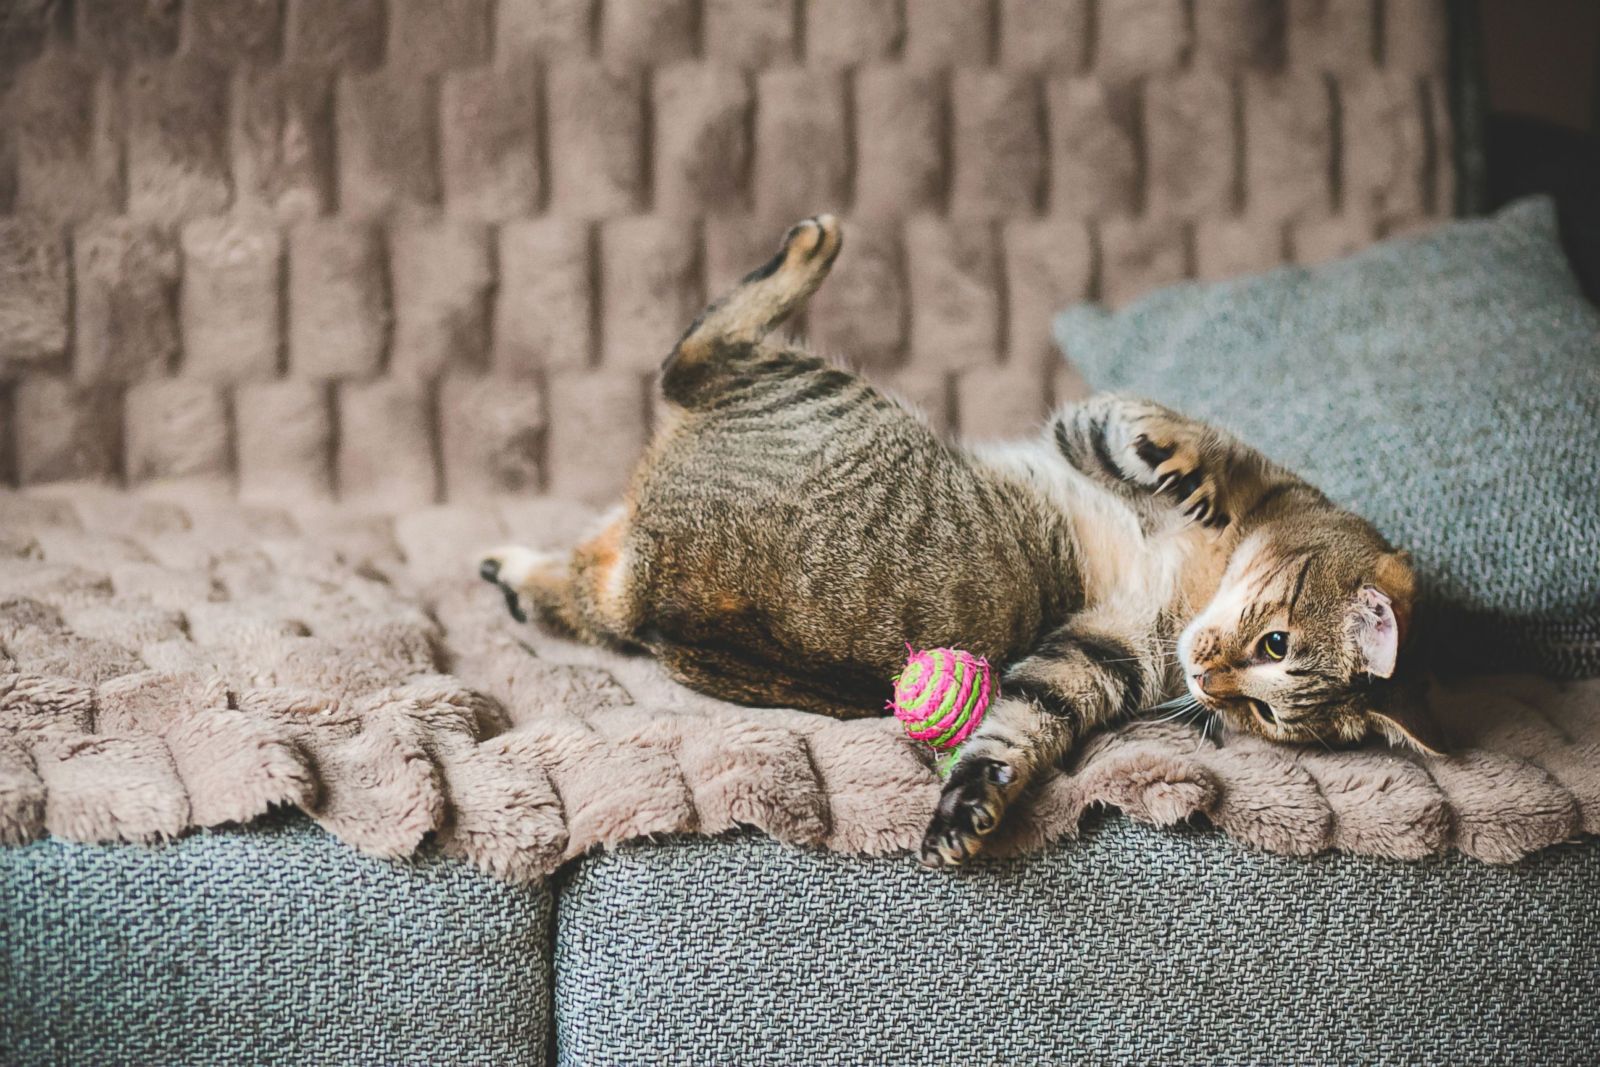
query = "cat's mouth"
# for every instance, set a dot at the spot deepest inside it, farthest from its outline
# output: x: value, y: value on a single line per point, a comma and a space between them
x: 1262, y: 710
x: 1236, y: 702
x: 1239, y: 707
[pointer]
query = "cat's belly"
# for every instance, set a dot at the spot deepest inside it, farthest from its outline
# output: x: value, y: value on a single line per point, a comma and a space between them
x: 826, y: 574
x: 828, y: 603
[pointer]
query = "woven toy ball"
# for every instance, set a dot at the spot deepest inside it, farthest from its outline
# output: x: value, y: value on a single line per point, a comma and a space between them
x: 940, y: 698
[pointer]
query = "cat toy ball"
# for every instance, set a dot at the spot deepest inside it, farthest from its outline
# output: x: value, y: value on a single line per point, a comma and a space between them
x: 940, y: 698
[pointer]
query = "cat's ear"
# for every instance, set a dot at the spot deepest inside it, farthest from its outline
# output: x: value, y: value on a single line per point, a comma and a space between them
x: 1408, y: 724
x: 1394, y: 576
x: 1376, y: 630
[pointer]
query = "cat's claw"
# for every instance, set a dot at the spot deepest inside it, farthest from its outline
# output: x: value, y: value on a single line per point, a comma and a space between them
x: 970, y: 808
x: 1172, y: 467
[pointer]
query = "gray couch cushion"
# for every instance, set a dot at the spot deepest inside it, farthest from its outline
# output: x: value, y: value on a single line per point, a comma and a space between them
x: 277, y: 945
x: 1132, y: 945
x: 1446, y: 386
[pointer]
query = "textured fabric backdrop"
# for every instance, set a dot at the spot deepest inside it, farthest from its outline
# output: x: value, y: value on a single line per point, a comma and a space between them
x: 400, y: 250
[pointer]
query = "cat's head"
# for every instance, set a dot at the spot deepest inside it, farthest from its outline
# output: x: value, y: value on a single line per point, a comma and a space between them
x: 1309, y: 621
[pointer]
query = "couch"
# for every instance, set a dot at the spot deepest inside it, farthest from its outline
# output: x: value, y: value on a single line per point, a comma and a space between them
x: 1132, y: 944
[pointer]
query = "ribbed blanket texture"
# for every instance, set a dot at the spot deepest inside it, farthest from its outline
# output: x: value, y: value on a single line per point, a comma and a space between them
x: 167, y: 663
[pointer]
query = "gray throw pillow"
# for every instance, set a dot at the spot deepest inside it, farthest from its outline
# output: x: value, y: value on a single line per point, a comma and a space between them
x: 1445, y: 386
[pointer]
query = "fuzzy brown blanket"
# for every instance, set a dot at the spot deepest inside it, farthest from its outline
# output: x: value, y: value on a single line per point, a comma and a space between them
x: 167, y: 665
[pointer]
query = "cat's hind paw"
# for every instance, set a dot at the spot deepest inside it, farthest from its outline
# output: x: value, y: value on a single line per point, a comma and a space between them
x: 807, y: 252
x: 816, y: 239
x: 512, y: 569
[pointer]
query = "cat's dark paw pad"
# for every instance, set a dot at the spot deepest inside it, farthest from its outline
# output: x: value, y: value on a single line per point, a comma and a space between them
x: 813, y: 239
x: 509, y: 569
x: 513, y: 604
x: 1152, y: 455
x: 970, y: 808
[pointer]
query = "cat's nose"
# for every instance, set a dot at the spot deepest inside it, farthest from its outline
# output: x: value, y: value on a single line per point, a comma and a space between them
x: 1202, y: 679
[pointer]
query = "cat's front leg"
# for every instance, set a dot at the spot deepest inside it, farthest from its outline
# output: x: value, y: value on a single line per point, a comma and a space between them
x: 1016, y: 741
x: 1078, y: 677
x: 1204, y: 473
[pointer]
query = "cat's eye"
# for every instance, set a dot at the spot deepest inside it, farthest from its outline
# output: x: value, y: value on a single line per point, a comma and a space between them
x: 1275, y: 645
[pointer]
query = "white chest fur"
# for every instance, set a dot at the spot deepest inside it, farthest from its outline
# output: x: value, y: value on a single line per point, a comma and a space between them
x: 1128, y: 573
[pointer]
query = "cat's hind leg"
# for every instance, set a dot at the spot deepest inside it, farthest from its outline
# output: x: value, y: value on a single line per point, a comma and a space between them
x: 758, y: 304
x: 586, y: 593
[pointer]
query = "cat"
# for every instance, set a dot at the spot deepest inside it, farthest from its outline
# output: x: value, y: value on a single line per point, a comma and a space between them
x: 791, y: 528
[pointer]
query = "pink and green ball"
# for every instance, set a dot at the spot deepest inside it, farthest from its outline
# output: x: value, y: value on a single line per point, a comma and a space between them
x: 940, y: 698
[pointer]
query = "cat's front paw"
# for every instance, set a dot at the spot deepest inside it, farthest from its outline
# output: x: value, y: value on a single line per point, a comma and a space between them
x: 970, y: 808
x: 1166, y: 453
x: 1178, y: 474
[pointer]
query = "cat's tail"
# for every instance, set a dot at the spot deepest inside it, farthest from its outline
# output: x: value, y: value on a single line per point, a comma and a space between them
x: 759, y: 303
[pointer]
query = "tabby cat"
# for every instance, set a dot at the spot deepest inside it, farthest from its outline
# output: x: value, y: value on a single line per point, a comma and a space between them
x: 791, y: 528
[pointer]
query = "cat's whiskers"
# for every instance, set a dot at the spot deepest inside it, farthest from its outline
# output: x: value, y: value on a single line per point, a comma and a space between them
x: 1181, y: 707
x: 1140, y: 659
x: 1205, y: 732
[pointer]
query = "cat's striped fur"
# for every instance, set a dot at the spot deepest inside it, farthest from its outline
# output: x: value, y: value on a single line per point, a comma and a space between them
x: 791, y: 529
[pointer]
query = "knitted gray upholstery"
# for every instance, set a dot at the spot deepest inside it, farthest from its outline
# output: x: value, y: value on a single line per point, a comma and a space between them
x: 1132, y: 945
x: 276, y: 945
x: 1447, y: 387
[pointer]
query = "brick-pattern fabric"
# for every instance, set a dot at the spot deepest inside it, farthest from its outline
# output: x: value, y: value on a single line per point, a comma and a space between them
x: 443, y: 245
